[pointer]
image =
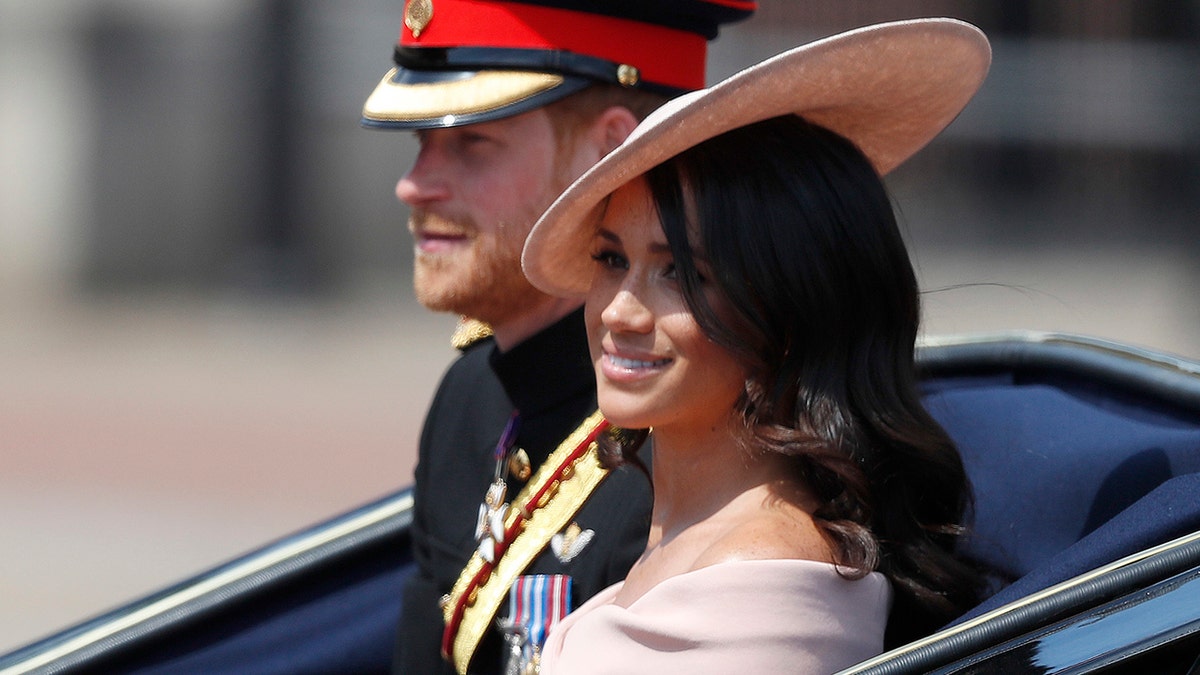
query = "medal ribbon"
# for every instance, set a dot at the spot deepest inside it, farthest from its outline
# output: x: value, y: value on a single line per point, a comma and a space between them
x: 507, y: 440
x: 539, y: 602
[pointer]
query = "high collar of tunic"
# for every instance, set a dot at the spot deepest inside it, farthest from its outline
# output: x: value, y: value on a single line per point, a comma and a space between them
x: 548, y: 368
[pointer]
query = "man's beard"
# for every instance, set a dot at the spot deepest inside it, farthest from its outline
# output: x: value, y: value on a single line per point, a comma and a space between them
x: 482, y: 280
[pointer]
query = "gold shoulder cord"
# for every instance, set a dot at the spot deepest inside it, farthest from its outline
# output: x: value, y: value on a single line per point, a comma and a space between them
x: 544, y: 507
x: 468, y: 332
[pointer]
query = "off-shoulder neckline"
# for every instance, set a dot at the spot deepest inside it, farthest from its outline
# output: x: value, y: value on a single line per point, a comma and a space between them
x: 609, y: 594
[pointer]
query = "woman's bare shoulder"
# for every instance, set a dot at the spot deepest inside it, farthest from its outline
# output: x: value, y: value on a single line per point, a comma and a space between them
x: 768, y: 536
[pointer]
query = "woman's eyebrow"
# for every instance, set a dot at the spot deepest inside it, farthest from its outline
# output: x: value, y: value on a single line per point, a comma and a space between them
x: 659, y: 248
x: 608, y: 235
x: 696, y: 254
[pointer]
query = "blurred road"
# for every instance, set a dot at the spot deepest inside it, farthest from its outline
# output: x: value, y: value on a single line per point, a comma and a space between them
x: 147, y: 439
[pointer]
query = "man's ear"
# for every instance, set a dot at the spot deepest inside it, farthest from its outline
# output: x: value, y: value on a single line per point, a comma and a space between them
x: 612, y: 127
x: 590, y: 144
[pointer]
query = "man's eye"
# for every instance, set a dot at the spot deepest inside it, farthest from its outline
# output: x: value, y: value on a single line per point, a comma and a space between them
x: 474, y: 138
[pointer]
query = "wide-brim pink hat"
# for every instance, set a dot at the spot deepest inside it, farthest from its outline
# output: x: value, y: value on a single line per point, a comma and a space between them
x: 890, y: 88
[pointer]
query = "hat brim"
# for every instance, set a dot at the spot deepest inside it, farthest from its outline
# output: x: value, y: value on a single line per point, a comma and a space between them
x: 889, y: 88
x: 417, y: 99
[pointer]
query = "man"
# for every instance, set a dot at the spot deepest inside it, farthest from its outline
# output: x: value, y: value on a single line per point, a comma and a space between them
x: 511, y: 101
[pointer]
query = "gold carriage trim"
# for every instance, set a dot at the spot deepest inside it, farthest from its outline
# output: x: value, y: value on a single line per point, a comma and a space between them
x: 544, y: 507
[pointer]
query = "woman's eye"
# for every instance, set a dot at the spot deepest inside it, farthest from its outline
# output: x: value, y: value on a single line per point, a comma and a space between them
x: 671, y: 272
x: 610, y: 259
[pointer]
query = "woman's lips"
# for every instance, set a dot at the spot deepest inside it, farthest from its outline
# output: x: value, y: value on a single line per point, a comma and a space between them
x: 628, y: 369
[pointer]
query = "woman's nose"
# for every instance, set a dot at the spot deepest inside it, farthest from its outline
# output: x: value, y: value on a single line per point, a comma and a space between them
x: 626, y: 313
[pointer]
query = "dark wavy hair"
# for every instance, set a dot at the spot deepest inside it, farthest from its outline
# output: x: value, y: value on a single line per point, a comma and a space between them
x: 822, y: 308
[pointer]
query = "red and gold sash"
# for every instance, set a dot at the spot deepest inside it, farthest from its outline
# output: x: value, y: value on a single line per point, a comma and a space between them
x: 544, y: 507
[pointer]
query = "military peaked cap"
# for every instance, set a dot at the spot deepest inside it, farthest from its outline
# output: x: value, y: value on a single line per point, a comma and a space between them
x: 465, y: 61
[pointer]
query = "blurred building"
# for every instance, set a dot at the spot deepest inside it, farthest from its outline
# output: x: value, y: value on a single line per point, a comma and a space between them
x: 195, y: 145
x: 216, y: 145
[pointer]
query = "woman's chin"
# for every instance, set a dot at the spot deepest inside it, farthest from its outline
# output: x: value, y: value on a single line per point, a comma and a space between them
x: 624, y: 415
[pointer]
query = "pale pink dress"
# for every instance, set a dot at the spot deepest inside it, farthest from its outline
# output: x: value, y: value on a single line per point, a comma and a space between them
x: 743, y: 617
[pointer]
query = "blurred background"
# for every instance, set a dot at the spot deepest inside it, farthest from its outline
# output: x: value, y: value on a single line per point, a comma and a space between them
x: 207, y: 337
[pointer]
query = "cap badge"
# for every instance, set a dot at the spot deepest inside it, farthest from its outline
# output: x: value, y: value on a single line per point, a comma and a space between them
x: 417, y: 15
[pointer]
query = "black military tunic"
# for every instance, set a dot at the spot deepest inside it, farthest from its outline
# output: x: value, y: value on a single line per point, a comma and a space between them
x: 549, y: 379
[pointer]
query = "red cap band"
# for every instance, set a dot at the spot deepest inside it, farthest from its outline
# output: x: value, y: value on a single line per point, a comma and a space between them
x: 667, y: 56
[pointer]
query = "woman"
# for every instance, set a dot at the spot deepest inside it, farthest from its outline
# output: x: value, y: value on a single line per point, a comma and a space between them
x: 750, y: 299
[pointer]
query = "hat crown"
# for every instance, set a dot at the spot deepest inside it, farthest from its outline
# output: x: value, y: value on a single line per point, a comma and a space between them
x: 888, y: 88
x: 664, y: 39
x: 702, y: 17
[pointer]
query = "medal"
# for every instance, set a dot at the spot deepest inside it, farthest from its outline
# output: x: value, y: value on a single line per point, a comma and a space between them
x: 518, y: 464
x: 489, y: 528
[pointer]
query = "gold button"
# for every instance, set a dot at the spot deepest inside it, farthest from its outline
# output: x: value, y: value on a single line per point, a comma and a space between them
x: 628, y: 75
